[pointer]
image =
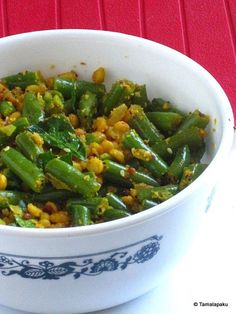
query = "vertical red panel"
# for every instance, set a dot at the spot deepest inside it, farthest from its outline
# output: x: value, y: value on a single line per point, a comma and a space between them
x: 122, y: 16
x: 29, y: 15
x: 163, y: 23
x: 230, y: 6
x: 80, y: 14
x: 3, y: 19
x: 210, y: 42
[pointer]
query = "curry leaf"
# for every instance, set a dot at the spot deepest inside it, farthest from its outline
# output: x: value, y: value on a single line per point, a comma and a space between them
x: 44, y: 158
x: 57, y: 122
x: 64, y: 140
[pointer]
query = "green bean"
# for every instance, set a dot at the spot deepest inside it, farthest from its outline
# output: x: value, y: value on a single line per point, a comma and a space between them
x: 3, y: 139
x: 191, y: 173
x: 134, y: 163
x: 8, y: 132
x: 6, y: 108
x: 22, y: 79
x: 197, y: 155
x: 151, y: 160
x: 140, y: 96
x: 159, y: 193
x: 196, y: 118
x: 32, y: 109
x: 113, y: 98
x: 12, y: 198
x: 87, y: 110
x: 64, y: 176
x: 65, y: 86
x: 92, y: 203
x: 54, y: 103
x: 68, y: 87
x: 27, y: 146
x: 113, y: 214
x: 126, y: 176
x: 181, y: 160
x: 94, y: 88
x: 159, y: 104
x: 54, y: 195
x: 193, y: 137
x: 23, y: 168
x: 21, y: 124
x: 115, y: 201
x: 140, y: 122
x: 80, y: 215
x: 166, y: 122
x: 148, y: 204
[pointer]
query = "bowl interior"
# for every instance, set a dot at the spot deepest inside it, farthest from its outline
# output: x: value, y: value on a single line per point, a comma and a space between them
x: 166, y: 73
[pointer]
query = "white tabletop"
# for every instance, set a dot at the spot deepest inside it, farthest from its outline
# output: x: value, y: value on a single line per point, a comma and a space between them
x: 207, y: 274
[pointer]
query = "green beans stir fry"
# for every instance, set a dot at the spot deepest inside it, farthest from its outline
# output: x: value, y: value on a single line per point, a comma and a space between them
x: 75, y: 154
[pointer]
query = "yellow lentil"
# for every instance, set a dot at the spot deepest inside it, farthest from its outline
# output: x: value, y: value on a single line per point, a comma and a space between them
x: 95, y: 165
x: 45, y: 223
x: 100, y: 124
x: 118, y: 155
x: 59, y: 217
x: 107, y: 146
x: 14, y: 116
x: 121, y: 127
x: 128, y: 200
x: 95, y: 149
x: 74, y: 120
x: 44, y: 216
x: 3, y: 182
x: 34, y: 210
x: 99, y: 75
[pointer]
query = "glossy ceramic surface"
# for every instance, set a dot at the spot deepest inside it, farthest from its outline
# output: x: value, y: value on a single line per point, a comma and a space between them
x: 84, y: 269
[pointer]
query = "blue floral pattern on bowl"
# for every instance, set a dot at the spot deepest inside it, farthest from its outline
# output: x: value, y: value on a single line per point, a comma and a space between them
x: 86, y: 265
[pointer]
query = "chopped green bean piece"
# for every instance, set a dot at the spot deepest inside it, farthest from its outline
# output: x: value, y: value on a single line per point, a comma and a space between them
x: 64, y: 176
x: 6, y: 108
x: 80, y: 215
x: 23, y: 168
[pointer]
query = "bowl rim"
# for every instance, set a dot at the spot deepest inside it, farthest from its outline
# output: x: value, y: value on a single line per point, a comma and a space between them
x: 169, y: 205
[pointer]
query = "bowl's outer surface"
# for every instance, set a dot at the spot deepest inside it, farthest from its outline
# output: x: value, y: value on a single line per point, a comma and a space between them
x: 90, y: 268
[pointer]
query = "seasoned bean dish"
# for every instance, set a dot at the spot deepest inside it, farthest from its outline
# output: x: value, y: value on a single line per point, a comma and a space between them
x: 75, y: 154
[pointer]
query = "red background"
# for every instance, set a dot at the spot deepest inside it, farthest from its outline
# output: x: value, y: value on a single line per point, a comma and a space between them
x: 202, y: 29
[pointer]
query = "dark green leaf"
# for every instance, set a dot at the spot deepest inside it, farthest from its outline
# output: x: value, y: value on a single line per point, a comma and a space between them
x: 67, y: 158
x: 57, y: 122
x: 44, y: 158
x: 64, y: 140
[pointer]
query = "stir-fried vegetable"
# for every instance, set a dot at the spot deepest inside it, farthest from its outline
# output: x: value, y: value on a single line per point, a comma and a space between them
x: 74, y: 154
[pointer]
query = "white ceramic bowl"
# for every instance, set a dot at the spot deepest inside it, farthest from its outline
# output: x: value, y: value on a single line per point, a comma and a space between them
x: 82, y: 269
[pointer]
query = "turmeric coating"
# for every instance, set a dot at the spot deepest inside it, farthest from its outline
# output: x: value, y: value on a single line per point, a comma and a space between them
x: 74, y: 154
